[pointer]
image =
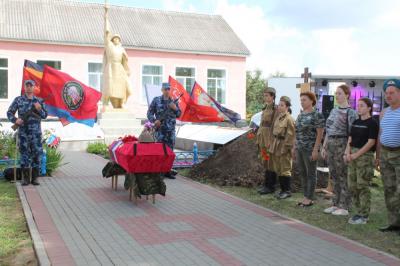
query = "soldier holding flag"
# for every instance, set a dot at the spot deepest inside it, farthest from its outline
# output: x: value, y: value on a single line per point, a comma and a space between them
x: 163, y: 112
x: 29, y: 133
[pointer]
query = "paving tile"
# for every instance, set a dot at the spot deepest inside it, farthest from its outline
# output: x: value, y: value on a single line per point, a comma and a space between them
x: 83, y: 219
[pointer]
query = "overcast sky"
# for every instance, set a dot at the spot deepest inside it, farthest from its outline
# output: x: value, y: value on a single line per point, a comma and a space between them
x: 329, y: 36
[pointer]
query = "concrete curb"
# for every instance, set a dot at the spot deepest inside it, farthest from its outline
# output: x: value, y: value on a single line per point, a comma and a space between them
x: 38, y: 245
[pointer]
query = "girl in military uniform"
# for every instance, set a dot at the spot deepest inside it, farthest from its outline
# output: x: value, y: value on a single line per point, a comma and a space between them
x: 338, y: 125
x: 264, y: 140
x: 283, y: 137
x: 359, y: 155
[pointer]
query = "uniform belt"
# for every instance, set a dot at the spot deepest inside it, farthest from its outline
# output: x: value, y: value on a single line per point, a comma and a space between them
x: 279, y: 137
x: 337, y: 137
x: 266, y: 124
x: 391, y: 148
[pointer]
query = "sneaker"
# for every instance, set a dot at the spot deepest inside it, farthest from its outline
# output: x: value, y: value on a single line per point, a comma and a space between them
x: 358, y: 219
x: 330, y: 209
x: 340, y: 212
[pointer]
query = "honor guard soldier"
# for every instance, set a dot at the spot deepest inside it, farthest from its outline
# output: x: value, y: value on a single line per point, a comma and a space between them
x: 30, y: 113
x: 163, y: 112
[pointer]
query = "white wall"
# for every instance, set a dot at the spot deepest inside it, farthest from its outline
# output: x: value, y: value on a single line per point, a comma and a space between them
x: 287, y: 87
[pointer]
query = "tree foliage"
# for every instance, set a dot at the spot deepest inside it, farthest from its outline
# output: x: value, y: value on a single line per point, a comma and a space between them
x: 255, y: 85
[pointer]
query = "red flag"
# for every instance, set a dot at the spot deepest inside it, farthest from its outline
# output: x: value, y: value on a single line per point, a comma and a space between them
x: 177, y: 90
x: 192, y: 112
x: 201, y: 97
x: 68, y: 98
x: 200, y: 114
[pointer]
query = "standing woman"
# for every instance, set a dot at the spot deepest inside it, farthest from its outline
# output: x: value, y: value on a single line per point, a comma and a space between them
x: 338, y: 125
x: 360, y: 157
x: 264, y: 139
x: 309, y: 130
x: 281, y: 147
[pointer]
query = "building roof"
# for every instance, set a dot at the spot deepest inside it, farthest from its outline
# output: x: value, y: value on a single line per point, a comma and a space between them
x: 75, y: 23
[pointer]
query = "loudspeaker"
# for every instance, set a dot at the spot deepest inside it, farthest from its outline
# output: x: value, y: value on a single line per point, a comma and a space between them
x: 327, y: 105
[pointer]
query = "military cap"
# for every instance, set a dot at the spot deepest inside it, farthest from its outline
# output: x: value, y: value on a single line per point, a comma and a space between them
x: 285, y: 99
x: 29, y: 81
x: 391, y: 82
x: 116, y: 36
x: 270, y: 90
x: 166, y: 86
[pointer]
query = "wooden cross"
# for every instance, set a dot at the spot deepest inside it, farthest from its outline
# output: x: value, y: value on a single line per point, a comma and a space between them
x: 306, y: 75
x: 306, y: 86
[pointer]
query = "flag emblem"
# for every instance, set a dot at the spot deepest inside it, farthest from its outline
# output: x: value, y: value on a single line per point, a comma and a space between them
x: 73, y: 95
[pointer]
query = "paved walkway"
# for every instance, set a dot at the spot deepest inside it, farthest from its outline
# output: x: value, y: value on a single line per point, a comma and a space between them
x: 81, y: 221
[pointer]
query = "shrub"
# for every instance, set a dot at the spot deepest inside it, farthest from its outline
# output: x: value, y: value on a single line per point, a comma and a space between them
x: 54, y: 159
x: 98, y: 148
x: 7, y: 145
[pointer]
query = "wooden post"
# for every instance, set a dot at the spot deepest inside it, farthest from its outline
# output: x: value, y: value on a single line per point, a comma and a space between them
x: 153, y: 198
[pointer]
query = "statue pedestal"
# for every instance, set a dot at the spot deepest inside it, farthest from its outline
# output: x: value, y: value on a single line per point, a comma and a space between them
x: 117, y: 123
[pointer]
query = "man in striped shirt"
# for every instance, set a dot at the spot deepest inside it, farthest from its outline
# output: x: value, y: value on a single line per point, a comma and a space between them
x: 388, y: 153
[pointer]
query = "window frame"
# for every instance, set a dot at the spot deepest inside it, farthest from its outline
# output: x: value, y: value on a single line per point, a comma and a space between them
x: 216, y: 79
x: 185, y: 66
x: 143, y: 99
x: 52, y: 60
x: 88, y: 73
x: 8, y: 77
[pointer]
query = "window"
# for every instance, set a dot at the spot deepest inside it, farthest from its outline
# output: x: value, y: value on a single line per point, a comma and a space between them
x: 186, y: 77
x: 216, y: 84
x: 53, y: 64
x: 3, y: 78
x: 95, y: 72
x: 152, y: 75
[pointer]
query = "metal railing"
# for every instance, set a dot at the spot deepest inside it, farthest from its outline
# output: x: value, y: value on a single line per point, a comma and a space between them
x: 188, y: 159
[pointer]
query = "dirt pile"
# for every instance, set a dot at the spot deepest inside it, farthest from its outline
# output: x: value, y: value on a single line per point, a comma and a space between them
x: 235, y: 164
x: 238, y: 164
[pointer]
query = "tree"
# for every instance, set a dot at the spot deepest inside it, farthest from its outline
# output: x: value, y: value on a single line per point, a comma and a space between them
x: 255, y: 85
x: 277, y: 74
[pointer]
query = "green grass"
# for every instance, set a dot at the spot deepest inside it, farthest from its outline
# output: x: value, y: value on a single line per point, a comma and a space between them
x: 366, y: 234
x: 13, y: 230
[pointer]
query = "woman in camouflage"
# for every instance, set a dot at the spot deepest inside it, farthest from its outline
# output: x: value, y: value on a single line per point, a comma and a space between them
x: 309, y: 130
x: 359, y: 155
x: 337, y: 131
x: 283, y: 135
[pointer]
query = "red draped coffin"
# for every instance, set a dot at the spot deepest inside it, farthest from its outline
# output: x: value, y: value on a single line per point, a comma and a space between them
x: 138, y: 157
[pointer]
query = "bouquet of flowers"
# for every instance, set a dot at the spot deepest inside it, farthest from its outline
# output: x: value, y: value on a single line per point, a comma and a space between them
x: 50, y: 139
x: 265, y: 154
x: 147, y: 134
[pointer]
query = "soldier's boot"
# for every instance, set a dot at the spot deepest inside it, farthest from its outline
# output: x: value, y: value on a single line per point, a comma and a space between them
x: 285, y: 187
x: 35, y: 175
x: 269, y: 183
x: 25, y: 176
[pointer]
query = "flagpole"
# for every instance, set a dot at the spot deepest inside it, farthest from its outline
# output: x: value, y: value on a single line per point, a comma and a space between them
x: 15, y: 156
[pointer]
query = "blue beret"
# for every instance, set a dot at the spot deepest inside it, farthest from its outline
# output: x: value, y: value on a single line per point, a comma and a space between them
x: 391, y: 82
x: 166, y: 85
x: 29, y: 81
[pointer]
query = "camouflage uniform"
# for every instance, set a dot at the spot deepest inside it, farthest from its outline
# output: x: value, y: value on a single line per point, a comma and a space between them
x: 159, y: 110
x: 390, y: 172
x: 337, y: 127
x: 306, y: 135
x: 281, y: 149
x: 30, y: 133
x: 360, y: 173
